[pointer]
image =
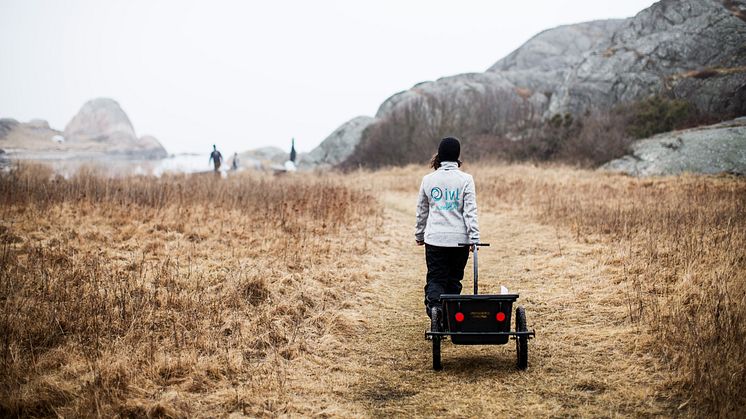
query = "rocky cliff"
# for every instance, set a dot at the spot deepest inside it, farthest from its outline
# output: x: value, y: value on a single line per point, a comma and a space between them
x: 690, y: 50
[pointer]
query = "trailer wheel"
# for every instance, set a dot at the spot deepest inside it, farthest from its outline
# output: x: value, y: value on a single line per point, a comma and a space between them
x: 437, y: 366
x: 435, y: 315
x: 521, y: 342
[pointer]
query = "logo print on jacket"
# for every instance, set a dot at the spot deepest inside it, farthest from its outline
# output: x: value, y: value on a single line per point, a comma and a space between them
x: 451, y: 199
x: 436, y: 193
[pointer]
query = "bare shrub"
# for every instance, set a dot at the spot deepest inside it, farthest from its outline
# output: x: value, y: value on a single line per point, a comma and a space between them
x: 411, y: 131
x: 505, y: 126
x: 600, y: 138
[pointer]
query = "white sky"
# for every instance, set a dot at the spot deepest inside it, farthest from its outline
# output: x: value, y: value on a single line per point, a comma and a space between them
x: 246, y: 74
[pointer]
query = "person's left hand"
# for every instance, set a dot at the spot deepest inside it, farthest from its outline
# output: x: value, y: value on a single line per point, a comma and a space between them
x: 420, y: 242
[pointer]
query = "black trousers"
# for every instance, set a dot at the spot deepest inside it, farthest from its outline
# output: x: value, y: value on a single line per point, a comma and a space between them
x: 445, y: 270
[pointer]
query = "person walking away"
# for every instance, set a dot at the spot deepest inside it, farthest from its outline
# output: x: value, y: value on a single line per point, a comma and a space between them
x: 216, y: 158
x: 446, y: 216
x: 234, y: 163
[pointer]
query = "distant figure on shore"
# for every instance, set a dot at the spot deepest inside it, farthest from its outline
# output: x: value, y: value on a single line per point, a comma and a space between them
x: 216, y: 158
x: 234, y: 162
x: 290, y: 164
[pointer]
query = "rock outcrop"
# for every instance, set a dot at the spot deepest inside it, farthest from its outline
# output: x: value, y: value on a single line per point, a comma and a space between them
x: 269, y: 154
x: 332, y: 151
x: 147, y: 146
x: 100, y: 129
x: 38, y: 124
x: 337, y: 146
x: 689, y: 49
x: 102, y: 125
x: 558, y: 49
x: 680, y: 49
x: 100, y: 120
x: 27, y: 138
x: 718, y: 148
x: 6, y: 126
x: 520, y: 84
x: 262, y: 156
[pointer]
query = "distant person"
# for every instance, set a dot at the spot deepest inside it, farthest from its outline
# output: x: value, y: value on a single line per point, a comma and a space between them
x: 216, y: 158
x: 234, y: 163
x: 446, y: 216
x: 293, y: 154
x: 290, y: 165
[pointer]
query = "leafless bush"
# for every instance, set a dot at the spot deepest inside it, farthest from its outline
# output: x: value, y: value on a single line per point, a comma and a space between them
x: 495, y: 124
x: 411, y: 131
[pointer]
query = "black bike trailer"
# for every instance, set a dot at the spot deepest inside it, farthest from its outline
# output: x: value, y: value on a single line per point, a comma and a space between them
x: 479, y: 320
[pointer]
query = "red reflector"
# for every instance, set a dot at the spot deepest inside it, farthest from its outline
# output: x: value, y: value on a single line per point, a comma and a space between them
x: 459, y: 317
x: 500, y: 316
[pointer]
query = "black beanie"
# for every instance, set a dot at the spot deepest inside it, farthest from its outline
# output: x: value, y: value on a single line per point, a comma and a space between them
x: 449, y: 149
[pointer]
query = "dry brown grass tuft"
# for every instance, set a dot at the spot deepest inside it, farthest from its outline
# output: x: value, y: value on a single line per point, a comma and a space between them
x: 684, y: 242
x: 198, y: 296
x: 173, y: 297
x: 681, y: 245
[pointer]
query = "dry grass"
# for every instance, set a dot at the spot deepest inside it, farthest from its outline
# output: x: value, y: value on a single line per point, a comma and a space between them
x: 678, y: 245
x: 681, y: 245
x: 706, y: 73
x: 196, y: 296
x: 174, y: 297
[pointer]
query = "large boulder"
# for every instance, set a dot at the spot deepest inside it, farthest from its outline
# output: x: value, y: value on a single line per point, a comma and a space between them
x: 338, y: 145
x: 100, y: 120
x: 718, y: 148
x: 102, y: 125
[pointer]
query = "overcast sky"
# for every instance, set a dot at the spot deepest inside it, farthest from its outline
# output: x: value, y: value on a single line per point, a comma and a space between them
x: 246, y: 74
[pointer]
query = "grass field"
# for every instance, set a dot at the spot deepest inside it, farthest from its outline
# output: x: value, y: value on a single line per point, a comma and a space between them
x: 300, y: 295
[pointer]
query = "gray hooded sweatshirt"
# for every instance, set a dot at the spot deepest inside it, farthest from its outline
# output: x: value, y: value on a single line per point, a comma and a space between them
x: 447, y: 208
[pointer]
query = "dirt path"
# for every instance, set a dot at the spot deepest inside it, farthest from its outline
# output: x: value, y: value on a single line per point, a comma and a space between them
x: 583, y: 362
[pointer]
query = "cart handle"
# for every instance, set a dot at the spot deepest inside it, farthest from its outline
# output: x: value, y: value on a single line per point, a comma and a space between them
x: 476, y: 269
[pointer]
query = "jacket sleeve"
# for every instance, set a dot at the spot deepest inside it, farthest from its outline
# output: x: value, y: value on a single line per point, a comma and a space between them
x: 470, y: 211
x: 423, y: 210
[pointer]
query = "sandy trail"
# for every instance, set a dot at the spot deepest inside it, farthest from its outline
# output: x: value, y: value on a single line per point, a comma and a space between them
x: 583, y: 362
